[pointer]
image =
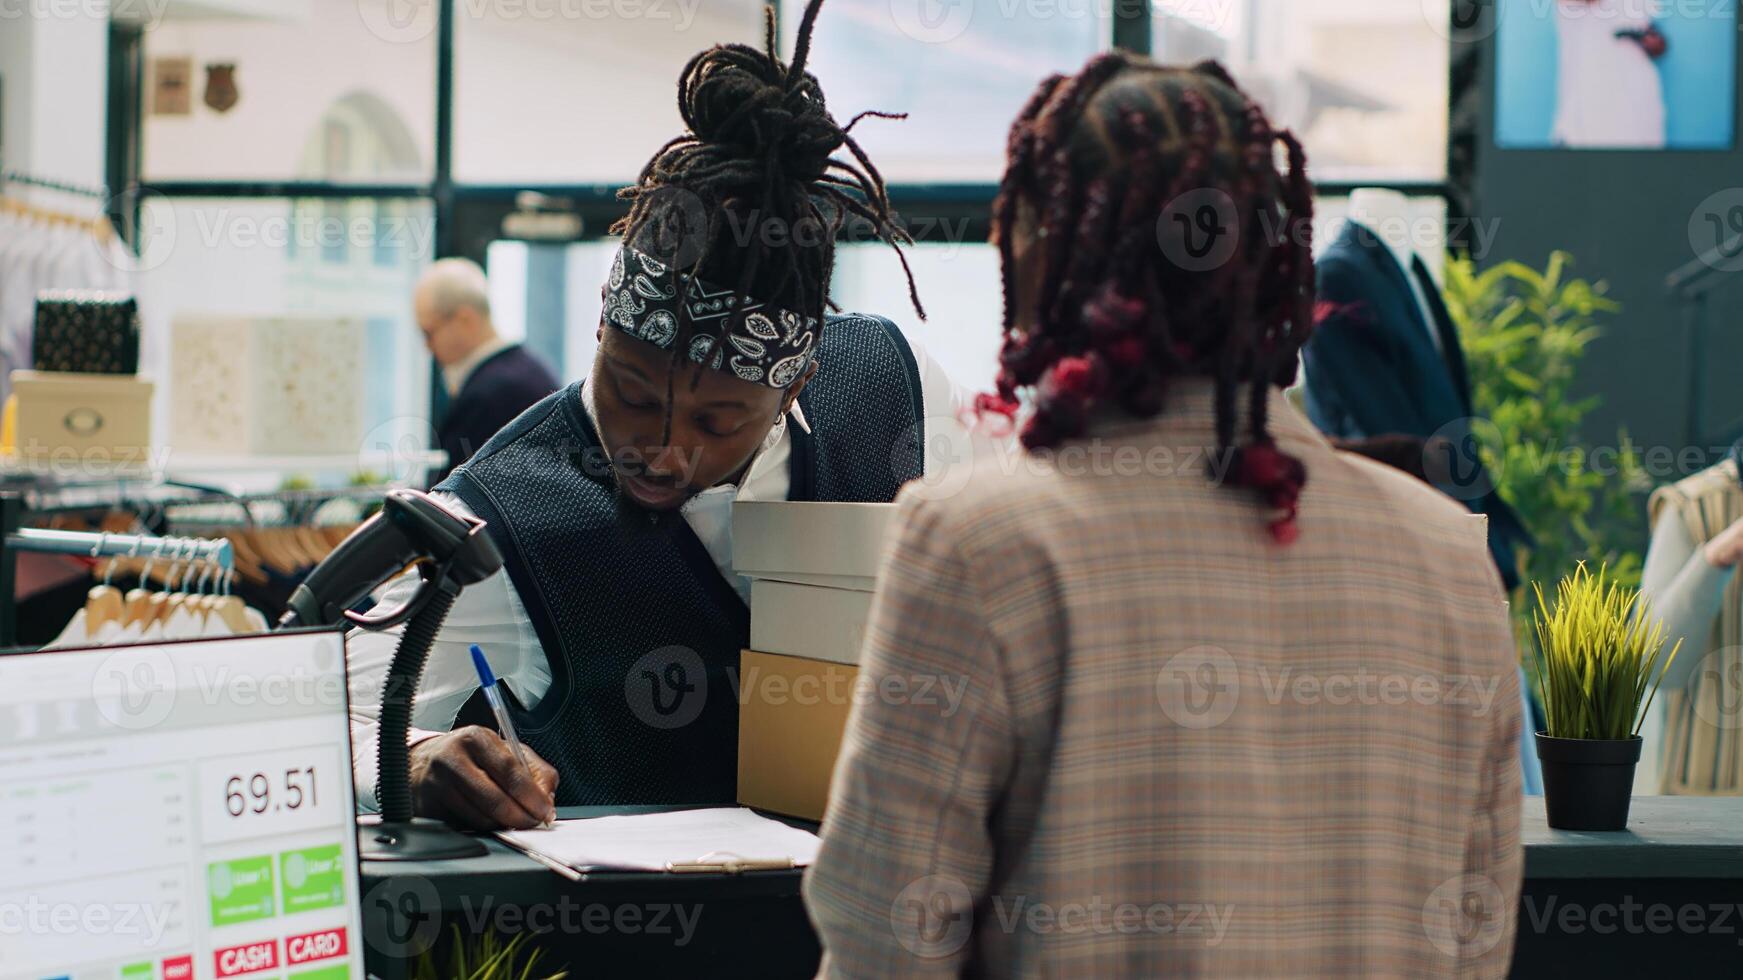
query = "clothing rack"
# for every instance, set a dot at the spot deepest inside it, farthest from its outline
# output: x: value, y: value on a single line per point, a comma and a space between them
x: 160, y: 495
x: 299, y: 506
x: 100, y: 222
x: 10, y: 177
x: 15, y: 539
x: 101, y: 544
x: 120, y: 493
x: 190, y: 511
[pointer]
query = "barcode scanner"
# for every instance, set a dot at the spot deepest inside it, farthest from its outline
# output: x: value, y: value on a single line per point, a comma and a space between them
x: 412, y: 529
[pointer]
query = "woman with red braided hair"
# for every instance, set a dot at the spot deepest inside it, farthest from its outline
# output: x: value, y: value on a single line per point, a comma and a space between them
x: 1210, y: 697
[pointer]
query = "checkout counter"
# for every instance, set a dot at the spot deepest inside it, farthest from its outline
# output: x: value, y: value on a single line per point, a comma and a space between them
x: 1664, y: 898
x: 618, y: 923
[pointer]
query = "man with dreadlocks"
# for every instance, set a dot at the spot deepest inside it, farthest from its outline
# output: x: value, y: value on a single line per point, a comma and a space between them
x: 1241, y: 705
x: 719, y: 375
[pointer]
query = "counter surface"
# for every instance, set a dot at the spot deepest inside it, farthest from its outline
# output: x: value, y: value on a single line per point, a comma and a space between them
x: 1676, y: 851
x: 506, y: 874
x: 1667, y: 837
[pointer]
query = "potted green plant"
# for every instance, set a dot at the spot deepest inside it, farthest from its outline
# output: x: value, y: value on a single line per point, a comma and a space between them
x: 1600, y: 659
x: 487, y: 956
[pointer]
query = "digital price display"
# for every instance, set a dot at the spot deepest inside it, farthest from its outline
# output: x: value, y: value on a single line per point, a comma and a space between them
x: 178, y: 811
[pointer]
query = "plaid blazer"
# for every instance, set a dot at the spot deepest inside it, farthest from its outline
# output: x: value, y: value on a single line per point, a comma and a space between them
x: 1110, y: 728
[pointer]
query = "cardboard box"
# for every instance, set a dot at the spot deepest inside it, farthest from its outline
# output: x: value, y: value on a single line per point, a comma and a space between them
x: 94, y: 420
x: 267, y: 385
x: 791, y: 716
x: 808, y: 620
x: 838, y: 545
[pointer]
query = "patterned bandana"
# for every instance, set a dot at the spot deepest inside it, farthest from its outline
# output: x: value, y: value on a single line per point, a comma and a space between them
x: 768, y: 345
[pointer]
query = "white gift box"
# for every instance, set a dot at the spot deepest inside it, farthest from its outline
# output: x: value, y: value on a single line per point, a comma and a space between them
x: 837, y: 545
x: 808, y: 620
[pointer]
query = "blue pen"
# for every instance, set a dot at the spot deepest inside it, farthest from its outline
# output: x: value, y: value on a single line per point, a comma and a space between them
x: 500, y: 707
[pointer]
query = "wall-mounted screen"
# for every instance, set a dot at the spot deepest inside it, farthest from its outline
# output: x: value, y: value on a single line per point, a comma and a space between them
x: 1616, y: 74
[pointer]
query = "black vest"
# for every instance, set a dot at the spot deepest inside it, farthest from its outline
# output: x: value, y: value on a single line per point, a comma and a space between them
x: 641, y: 631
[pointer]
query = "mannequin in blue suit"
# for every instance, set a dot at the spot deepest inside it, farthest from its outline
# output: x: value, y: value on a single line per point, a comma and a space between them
x: 1374, y: 367
x: 1385, y: 359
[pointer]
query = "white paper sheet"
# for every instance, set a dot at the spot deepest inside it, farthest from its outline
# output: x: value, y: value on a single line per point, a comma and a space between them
x: 651, y: 841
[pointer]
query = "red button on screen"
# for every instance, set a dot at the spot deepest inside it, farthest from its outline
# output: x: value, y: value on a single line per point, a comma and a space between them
x: 314, y: 946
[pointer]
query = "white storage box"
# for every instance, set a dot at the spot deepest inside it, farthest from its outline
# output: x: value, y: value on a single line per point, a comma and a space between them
x: 837, y: 545
x: 808, y: 620
x: 266, y: 385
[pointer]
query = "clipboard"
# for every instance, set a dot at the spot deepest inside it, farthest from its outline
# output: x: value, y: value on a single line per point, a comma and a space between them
x: 557, y: 866
x: 725, y: 862
x: 722, y: 840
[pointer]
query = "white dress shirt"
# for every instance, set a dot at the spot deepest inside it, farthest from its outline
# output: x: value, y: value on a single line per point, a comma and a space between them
x: 491, y: 614
x: 1422, y: 308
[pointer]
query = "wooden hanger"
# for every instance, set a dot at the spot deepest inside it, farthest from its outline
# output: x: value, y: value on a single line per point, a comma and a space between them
x: 293, y: 554
x: 230, y: 609
x: 314, y: 544
x: 200, y: 602
x: 219, y: 603
x: 246, y: 560
x: 165, y: 603
x: 99, y: 227
x: 268, y: 546
x: 194, y: 602
x: 138, y: 600
x: 103, y: 604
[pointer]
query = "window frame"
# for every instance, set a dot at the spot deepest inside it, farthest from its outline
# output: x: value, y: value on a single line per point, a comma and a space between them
x: 468, y: 217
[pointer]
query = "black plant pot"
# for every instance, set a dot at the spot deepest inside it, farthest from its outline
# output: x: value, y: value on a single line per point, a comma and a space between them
x: 1587, y: 783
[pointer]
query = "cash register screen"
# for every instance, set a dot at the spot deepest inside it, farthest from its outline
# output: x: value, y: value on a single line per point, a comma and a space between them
x: 178, y: 810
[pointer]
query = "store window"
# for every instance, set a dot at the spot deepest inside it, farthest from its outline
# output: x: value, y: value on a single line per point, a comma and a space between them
x: 548, y: 296
x: 579, y: 95
x: 269, y: 257
x: 1364, y: 83
x: 960, y: 285
x: 240, y: 96
x: 577, y: 92
x: 960, y: 70
x: 958, y: 282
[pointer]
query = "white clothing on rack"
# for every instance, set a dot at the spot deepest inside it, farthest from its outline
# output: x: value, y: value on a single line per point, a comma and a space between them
x: 35, y: 257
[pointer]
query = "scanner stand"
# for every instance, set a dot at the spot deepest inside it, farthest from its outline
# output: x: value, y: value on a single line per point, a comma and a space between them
x: 450, y: 551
